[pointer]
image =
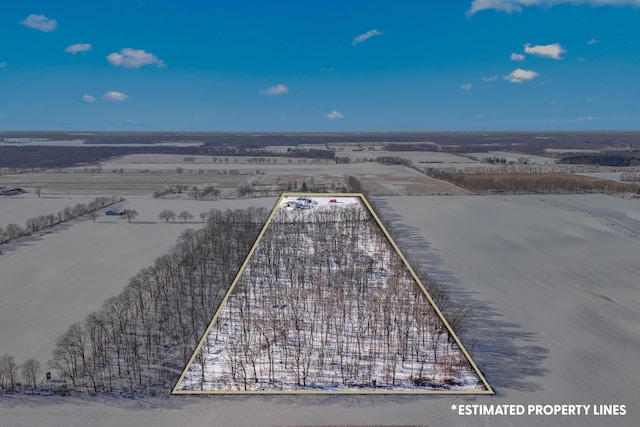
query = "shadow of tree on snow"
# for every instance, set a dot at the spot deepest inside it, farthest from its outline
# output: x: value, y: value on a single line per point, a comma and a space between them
x: 494, y: 343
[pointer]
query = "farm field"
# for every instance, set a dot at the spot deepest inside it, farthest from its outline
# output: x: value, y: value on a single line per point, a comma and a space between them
x: 378, y: 178
x: 552, y: 281
x: 17, y: 209
x: 53, y: 279
x: 69, y: 183
x: 611, y: 176
x: 513, y: 157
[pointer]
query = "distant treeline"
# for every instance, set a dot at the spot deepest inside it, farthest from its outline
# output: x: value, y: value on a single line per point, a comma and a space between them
x: 531, y: 183
x: 245, y: 144
x: 607, y: 159
x: 42, y: 157
x: 412, y: 147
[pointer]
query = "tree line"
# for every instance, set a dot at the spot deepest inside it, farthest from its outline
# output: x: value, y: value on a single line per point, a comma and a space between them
x: 29, y: 371
x: 531, y: 183
x: 33, y: 225
x: 141, y: 339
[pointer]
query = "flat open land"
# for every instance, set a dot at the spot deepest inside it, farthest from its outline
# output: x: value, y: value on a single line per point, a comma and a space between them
x: 17, y: 209
x: 61, y: 275
x: 144, y: 174
x: 553, y: 282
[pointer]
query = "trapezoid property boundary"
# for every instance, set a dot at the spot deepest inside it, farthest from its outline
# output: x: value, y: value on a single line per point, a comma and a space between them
x: 358, y: 321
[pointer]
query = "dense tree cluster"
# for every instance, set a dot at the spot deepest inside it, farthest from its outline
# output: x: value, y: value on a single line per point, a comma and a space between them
x: 531, y: 183
x: 630, y: 176
x: 142, y: 338
x: 604, y: 159
x: 393, y: 160
x: 327, y: 302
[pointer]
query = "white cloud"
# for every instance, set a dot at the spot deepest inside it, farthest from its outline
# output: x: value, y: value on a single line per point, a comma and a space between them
x: 89, y: 98
x: 366, y: 36
x: 490, y: 79
x: 335, y: 114
x: 2, y: 115
x: 114, y: 96
x: 466, y: 86
x: 134, y: 58
x: 517, y: 57
x: 327, y: 69
x: 519, y: 75
x: 40, y: 23
x: 78, y: 47
x: 548, y: 51
x: 278, y: 89
x: 3, y: 64
x: 589, y: 118
x: 593, y: 41
x: 509, y: 6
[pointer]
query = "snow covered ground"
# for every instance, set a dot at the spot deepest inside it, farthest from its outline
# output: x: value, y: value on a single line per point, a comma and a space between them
x: 17, y: 209
x: 513, y: 157
x: 55, y: 278
x: 611, y: 176
x: 326, y: 304
x: 554, y: 283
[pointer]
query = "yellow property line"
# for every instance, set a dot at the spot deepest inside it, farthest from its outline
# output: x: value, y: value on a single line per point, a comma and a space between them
x: 365, y: 202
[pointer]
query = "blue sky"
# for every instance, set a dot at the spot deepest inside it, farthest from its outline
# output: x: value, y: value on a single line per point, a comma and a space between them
x: 307, y: 65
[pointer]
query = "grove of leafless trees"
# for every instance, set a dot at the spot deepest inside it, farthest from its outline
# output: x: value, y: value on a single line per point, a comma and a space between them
x: 141, y: 339
x: 327, y: 303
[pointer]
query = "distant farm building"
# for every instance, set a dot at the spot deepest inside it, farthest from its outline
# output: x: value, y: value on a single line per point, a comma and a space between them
x: 112, y: 212
x: 4, y: 191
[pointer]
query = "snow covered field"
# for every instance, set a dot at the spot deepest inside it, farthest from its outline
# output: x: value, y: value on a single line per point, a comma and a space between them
x: 611, y: 176
x: 17, y: 209
x: 555, y: 290
x: 144, y: 174
x: 58, y: 277
x: 513, y: 157
x: 554, y: 283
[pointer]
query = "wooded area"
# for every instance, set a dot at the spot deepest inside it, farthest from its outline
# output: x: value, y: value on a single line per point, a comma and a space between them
x: 141, y: 339
x: 524, y: 183
x: 327, y: 303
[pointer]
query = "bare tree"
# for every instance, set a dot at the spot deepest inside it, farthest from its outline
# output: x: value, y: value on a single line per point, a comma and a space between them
x: 8, y: 372
x: 167, y: 215
x: 185, y: 215
x: 13, y: 231
x: 30, y: 370
x: 131, y: 214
